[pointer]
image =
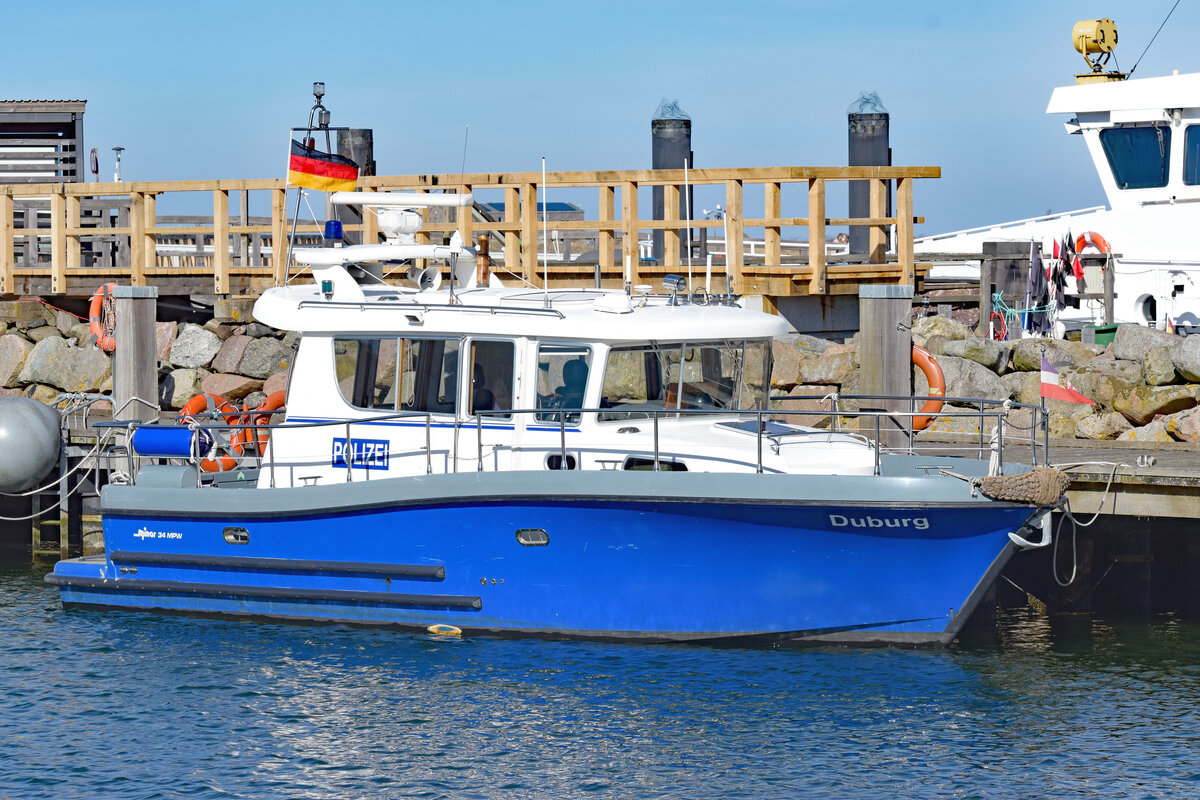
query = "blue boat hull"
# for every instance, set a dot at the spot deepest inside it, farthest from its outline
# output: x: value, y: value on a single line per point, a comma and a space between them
x: 597, y: 566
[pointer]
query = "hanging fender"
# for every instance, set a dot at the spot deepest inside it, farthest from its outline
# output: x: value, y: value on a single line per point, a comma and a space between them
x: 937, y: 387
x: 104, y: 339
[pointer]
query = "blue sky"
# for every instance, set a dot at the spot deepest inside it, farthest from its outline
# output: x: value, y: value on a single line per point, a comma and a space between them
x: 209, y: 90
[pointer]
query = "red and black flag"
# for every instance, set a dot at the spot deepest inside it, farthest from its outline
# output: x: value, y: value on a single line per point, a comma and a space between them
x: 325, y: 172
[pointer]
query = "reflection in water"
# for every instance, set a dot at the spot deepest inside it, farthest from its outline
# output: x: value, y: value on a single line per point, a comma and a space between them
x: 108, y: 704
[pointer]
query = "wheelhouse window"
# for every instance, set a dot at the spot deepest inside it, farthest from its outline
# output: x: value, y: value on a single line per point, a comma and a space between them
x: 726, y: 375
x: 491, y: 378
x: 1138, y: 156
x: 1191, y: 155
x: 562, y: 379
x: 380, y: 372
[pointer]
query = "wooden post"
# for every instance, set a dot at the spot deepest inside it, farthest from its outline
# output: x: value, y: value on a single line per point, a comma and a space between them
x: 243, y: 239
x: 671, y: 239
x: 629, y: 229
x: 137, y: 226
x: 58, y: 243
x: 605, y: 239
x: 885, y: 357
x: 7, y: 262
x: 816, y: 236
x: 220, y: 260
x: 877, y: 234
x: 74, y: 248
x: 465, y: 219
x: 735, y: 256
x: 512, y: 239
x: 279, y: 235
x: 1109, y: 295
x: 370, y: 225
x: 904, y: 231
x: 771, y: 233
x: 135, y: 368
x: 529, y: 227
x: 985, y: 297
x: 149, y: 238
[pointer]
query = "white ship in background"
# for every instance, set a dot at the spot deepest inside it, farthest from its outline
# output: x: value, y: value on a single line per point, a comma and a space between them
x: 1144, y: 139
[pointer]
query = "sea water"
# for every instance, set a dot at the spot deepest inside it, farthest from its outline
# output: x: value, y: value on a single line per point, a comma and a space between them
x: 102, y: 704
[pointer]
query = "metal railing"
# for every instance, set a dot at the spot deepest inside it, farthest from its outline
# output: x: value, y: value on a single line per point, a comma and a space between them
x: 764, y: 425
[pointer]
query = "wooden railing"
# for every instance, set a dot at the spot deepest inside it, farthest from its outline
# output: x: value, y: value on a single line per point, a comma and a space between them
x: 73, y: 236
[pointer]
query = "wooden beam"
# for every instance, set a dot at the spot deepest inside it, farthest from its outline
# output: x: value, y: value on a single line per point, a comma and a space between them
x: 771, y: 233
x: 221, y: 241
x: 7, y: 261
x: 671, y: 237
x: 512, y: 236
x: 74, y: 248
x: 629, y: 229
x: 734, y: 243
x: 877, y: 233
x: 816, y: 236
x: 279, y: 235
x: 605, y: 241
x: 58, y: 243
x: 529, y: 221
x: 904, y: 231
x: 137, y: 253
x: 465, y: 219
x: 149, y: 240
x: 370, y: 227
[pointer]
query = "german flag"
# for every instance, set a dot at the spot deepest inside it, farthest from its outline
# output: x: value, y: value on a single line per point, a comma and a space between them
x: 325, y: 172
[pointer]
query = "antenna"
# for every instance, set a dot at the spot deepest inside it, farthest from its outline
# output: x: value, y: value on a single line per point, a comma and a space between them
x: 545, y: 238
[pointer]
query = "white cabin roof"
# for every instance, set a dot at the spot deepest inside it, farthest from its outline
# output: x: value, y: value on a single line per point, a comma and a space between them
x: 509, y: 312
x: 1153, y: 94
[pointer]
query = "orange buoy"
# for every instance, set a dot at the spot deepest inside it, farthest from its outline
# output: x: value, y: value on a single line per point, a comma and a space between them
x: 937, y: 387
x: 211, y: 406
x: 1091, y: 239
x: 104, y: 338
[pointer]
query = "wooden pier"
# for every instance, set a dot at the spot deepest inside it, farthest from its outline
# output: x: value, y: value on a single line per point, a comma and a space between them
x: 65, y: 239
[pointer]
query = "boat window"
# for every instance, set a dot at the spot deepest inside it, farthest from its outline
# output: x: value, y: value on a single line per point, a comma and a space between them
x: 366, y: 371
x: 429, y: 375
x: 562, y: 379
x: 1191, y: 155
x: 1139, y: 156
x: 491, y: 377
x: 726, y: 375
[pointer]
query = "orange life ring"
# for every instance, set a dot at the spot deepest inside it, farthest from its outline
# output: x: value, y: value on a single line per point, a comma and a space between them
x: 260, y: 415
x: 212, y: 406
x: 1091, y: 239
x: 937, y: 386
x: 104, y: 339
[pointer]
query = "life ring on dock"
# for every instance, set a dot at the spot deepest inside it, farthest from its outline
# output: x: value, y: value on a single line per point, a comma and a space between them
x: 1091, y: 239
x: 98, y: 310
x: 260, y: 415
x: 937, y: 387
x: 209, y: 407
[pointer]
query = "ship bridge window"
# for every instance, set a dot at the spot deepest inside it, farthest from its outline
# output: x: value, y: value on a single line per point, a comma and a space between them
x: 1191, y: 155
x: 491, y: 378
x: 727, y: 375
x: 562, y: 379
x: 1140, y: 157
x: 379, y: 372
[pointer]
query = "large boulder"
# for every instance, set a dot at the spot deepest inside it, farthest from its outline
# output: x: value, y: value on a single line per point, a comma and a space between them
x: 82, y: 334
x: 54, y: 362
x: 231, y: 387
x: 1027, y: 388
x: 232, y: 351
x: 276, y: 383
x: 179, y: 386
x: 1027, y: 354
x: 1141, y: 404
x: 44, y: 332
x: 813, y: 402
x: 1108, y: 425
x: 1186, y: 358
x: 965, y: 378
x: 14, y: 350
x: 937, y: 325
x: 1159, y: 369
x: 987, y: 352
x: 1183, y: 425
x: 42, y: 363
x: 1133, y: 341
x: 194, y: 347
x: 1155, y: 431
x: 164, y: 338
x: 831, y: 367
x: 264, y: 357
x: 785, y: 364
x: 1100, y: 387
x: 24, y: 314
